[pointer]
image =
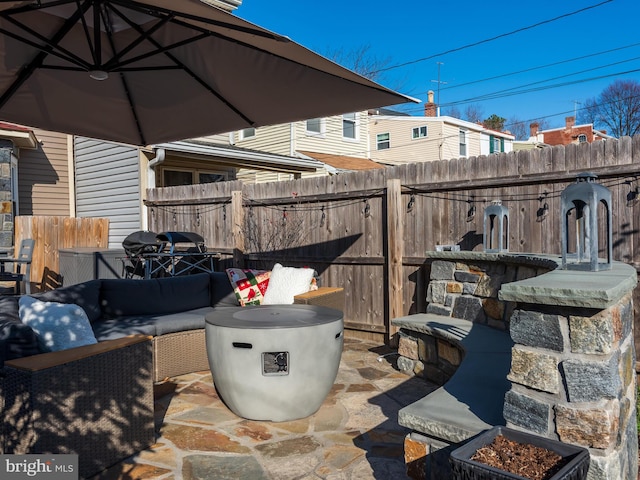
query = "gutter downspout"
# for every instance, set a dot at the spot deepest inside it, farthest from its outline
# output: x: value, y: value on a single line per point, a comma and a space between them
x: 292, y: 140
x: 151, y: 181
x: 153, y: 163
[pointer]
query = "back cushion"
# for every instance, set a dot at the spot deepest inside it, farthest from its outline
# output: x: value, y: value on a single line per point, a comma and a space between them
x: 85, y: 295
x: 222, y: 294
x: 155, y: 296
x: 17, y: 340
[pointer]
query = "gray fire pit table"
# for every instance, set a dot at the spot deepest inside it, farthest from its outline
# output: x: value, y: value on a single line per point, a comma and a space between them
x: 274, y: 362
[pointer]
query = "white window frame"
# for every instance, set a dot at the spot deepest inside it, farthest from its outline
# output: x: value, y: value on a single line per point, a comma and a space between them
x: 462, y: 141
x: 416, y: 132
x: 354, y: 123
x: 381, y: 142
x: 497, y: 145
x: 247, y: 133
x: 582, y: 138
x: 322, y: 124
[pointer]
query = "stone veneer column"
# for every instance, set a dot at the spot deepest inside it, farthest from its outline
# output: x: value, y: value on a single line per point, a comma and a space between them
x: 573, y: 366
x: 6, y: 203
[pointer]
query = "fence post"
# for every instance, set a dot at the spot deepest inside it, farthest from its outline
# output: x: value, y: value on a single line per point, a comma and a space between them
x: 237, y: 228
x: 395, y: 252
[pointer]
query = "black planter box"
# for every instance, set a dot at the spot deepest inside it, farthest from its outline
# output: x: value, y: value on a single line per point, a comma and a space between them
x: 466, y: 469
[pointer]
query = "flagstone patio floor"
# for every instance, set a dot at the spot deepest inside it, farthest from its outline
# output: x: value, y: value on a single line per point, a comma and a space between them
x: 353, y: 436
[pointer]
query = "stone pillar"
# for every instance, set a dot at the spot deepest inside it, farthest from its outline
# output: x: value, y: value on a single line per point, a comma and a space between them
x: 6, y: 202
x: 573, y: 380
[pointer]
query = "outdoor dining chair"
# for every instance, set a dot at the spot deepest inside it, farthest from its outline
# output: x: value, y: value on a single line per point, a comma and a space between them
x: 20, y: 272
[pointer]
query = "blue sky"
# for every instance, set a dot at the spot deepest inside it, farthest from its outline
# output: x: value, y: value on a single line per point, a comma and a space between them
x: 584, y: 52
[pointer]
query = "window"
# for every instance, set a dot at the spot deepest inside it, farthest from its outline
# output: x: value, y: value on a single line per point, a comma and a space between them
x: 211, y: 177
x: 349, y: 126
x: 496, y: 144
x: 174, y: 178
x: 247, y: 133
x: 463, y: 143
x: 419, y: 132
x: 582, y: 138
x: 315, y: 126
x: 382, y: 141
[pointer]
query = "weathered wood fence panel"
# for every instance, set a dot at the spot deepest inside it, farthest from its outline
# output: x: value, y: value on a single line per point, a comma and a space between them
x: 52, y: 233
x: 340, y: 224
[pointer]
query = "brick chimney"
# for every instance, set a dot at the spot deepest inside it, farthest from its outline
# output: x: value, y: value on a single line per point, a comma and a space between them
x: 533, y: 129
x: 569, y: 122
x: 430, y: 108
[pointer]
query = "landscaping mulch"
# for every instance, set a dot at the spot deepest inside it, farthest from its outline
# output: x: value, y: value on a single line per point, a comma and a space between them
x: 528, y: 461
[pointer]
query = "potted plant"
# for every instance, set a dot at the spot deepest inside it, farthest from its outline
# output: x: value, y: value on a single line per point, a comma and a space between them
x: 502, y: 453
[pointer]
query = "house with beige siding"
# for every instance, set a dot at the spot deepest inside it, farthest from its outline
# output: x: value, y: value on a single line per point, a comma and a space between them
x: 41, y: 174
x: 340, y: 142
x: 34, y: 176
x: 398, y: 140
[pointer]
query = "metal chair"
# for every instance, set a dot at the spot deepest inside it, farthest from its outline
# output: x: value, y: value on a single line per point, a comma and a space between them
x: 21, y: 271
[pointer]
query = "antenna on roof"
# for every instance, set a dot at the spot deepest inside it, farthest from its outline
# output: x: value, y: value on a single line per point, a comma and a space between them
x: 438, y: 82
x: 575, y: 108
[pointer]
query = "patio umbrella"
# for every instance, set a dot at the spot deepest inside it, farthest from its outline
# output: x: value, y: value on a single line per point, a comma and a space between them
x: 150, y: 71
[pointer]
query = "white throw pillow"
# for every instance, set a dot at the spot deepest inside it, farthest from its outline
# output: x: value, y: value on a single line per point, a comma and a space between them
x: 59, y: 325
x: 285, y: 283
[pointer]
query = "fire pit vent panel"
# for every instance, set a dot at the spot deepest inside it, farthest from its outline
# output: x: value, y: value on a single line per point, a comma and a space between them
x: 275, y: 363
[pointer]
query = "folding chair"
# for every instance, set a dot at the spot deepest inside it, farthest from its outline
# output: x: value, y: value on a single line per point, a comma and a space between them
x: 21, y: 271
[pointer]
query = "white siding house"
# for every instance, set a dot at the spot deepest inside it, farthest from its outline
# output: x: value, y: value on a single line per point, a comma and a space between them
x: 398, y: 140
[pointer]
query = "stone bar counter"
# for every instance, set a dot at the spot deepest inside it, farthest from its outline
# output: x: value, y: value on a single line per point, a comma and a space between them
x: 573, y: 361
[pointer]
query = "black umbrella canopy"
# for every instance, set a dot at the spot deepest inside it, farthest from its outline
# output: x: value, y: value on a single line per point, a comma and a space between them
x: 162, y: 70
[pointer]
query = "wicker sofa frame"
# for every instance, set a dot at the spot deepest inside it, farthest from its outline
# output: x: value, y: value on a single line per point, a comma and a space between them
x: 97, y: 400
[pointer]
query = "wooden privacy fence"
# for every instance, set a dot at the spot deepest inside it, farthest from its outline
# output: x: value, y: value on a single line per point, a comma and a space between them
x: 368, y: 231
x: 53, y: 233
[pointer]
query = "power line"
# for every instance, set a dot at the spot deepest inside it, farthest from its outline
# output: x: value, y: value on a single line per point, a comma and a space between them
x: 487, y: 40
x: 527, y: 70
x: 497, y: 95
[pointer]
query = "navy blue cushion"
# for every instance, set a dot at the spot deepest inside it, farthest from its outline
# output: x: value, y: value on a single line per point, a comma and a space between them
x: 153, y: 325
x: 85, y: 295
x: 123, y: 297
x: 123, y: 326
x: 17, y: 340
x: 222, y: 294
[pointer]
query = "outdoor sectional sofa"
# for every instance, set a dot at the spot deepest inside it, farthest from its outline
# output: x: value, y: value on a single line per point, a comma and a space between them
x: 97, y: 400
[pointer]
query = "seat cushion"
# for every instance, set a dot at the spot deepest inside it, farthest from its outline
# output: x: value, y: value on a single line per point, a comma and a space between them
x: 122, y: 297
x: 153, y: 325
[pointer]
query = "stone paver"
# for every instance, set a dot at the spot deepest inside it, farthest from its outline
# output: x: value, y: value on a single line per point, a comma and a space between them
x: 354, y: 435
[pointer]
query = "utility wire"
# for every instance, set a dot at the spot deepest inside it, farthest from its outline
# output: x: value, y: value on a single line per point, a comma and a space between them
x: 519, y: 92
x: 526, y: 70
x: 487, y: 40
